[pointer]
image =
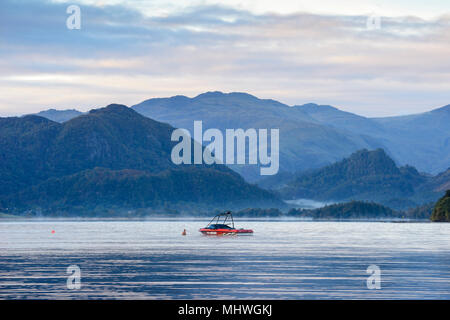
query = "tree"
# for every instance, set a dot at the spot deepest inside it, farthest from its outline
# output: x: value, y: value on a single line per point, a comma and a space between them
x: 441, y: 212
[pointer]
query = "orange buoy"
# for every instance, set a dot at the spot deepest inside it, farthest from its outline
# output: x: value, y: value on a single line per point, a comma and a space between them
x: 184, y: 232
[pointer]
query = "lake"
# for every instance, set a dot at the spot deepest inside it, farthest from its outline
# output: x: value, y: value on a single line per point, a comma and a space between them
x: 283, y: 259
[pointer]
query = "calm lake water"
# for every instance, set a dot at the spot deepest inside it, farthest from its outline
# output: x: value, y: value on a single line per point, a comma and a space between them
x: 282, y: 260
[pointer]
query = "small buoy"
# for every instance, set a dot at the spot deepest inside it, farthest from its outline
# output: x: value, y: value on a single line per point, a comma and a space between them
x: 184, y: 232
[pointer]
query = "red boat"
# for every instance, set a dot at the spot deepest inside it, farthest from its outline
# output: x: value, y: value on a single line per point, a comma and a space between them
x: 217, y: 228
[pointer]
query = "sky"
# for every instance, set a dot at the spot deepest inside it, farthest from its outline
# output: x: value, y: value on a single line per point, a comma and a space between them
x: 295, y: 52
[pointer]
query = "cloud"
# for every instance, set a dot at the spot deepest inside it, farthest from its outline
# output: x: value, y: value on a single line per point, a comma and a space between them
x: 121, y: 54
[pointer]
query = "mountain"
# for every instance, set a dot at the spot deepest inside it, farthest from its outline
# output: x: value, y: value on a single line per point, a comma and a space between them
x: 34, y: 148
x: 434, y: 187
x: 59, y: 115
x: 440, y: 182
x: 441, y: 212
x: 99, y: 189
x: 110, y: 156
x: 336, y: 118
x: 304, y: 142
x: 312, y: 135
x: 421, y: 140
x: 365, y: 175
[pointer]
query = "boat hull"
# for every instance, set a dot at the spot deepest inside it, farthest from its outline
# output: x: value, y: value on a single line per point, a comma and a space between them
x: 223, y: 232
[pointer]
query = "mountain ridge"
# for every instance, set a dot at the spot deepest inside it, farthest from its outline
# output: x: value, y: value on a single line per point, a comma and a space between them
x: 117, y: 140
x: 304, y: 142
x: 313, y: 135
x: 364, y: 175
x: 59, y: 115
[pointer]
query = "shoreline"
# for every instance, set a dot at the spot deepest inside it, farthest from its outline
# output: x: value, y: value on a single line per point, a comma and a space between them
x: 203, y: 218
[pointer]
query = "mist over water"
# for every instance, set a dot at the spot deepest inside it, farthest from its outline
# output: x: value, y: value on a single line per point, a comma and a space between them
x: 282, y: 260
x: 308, y: 203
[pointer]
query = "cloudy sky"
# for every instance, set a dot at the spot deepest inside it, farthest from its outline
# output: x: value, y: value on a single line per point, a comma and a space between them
x: 320, y: 51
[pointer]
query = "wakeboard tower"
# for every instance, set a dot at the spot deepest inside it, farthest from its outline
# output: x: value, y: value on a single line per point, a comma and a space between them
x: 219, y: 226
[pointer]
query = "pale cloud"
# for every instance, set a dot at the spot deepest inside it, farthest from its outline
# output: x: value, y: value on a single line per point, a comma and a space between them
x: 425, y: 9
x: 122, y: 54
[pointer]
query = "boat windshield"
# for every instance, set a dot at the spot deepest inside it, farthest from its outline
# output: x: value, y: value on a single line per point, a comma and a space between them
x: 219, y: 226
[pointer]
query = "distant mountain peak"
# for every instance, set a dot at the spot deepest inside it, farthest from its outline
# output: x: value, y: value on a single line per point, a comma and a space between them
x: 378, y: 152
x: 210, y: 94
x: 59, y: 115
x: 34, y: 118
x: 445, y: 109
x: 179, y: 97
x: 367, y: 162
x: 310, y: 104
x: 52, y: 110
x: 364, y: 175
x: 115, y: 108
x: 220, y: 94
x: 314, y: 107
x: 243, y: 94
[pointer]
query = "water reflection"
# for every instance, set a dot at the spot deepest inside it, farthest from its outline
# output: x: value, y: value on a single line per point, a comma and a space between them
x: 282, y: 260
